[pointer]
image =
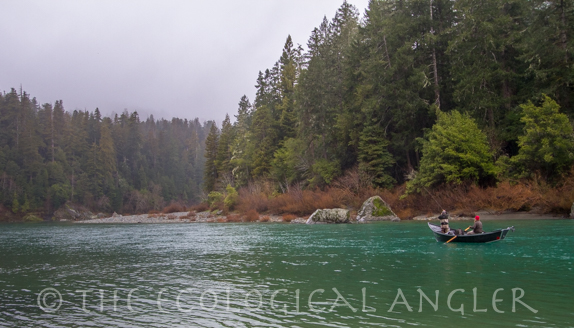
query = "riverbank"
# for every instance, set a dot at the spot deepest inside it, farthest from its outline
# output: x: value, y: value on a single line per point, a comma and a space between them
x: 186, y: 217
x: 207, y: 217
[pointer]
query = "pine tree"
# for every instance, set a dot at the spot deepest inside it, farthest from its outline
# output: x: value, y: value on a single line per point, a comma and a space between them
x: 107, y: 156
x: 211, y: 147
x: 223, y: 159
x: 374, y: 157
x: 239, y: 160
x: 484, y: 61
x: 288, y: 78
x: 548, y: 50
x: 264, y: 136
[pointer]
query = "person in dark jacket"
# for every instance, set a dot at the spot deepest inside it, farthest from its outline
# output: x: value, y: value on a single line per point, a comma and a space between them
x: 443, y: 217
x: 477, y: 227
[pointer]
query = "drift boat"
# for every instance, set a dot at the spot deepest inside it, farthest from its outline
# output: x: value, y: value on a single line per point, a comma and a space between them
x: 486, y: 237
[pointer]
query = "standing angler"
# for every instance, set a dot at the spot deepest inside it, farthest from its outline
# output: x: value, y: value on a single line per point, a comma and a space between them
x: 443, y: 217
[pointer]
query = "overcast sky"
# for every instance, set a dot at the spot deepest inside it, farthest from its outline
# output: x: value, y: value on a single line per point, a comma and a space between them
x: 181, y: 59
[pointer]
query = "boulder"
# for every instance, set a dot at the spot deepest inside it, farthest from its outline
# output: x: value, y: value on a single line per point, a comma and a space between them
x: 334, y: 215
x: 116, y: 215
x: 572, y: 211
x: 63, y: 214
x: 376, y: 209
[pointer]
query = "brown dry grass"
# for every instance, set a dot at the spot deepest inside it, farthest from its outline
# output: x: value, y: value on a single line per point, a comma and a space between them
x: 199, y: 207
x: 233, y: 218
x: 173, y: 207
x: 248, y: 201
x: 288, y: 217
x: 251, y: 216
x: 265, y: 218
x: 189, y: 215
x: 351, y: 190
x: 459, y: 200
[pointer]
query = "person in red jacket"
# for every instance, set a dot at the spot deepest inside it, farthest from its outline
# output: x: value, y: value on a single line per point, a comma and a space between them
x: 477, y: 227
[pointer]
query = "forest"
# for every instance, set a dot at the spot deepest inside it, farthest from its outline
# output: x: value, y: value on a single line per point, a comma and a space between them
x: 413, y: 98
x: 49, y: 157
x: 462, y: 103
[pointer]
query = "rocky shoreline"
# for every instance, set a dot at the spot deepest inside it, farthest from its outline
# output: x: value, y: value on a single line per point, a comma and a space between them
x: 207, y: 217
x: 182, y: 217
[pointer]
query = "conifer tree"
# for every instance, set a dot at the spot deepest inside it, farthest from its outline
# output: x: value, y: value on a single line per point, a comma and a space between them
x: 223, y: 160
x: 239, y: 160
x: 211, y: 147
x: 374, y: 157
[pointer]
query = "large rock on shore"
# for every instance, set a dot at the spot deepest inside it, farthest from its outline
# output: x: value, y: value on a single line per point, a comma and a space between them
x: 572, y: 211
x: 334, y: 215
x: 73, y: 213
x: 376, y: 209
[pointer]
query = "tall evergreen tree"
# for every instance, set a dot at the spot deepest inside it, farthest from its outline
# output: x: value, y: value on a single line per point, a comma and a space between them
x: 211, y: 147
x: 224, y: 154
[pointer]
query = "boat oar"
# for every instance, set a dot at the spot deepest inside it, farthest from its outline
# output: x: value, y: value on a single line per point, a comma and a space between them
x: 467, y: 228
x: 451, y: 239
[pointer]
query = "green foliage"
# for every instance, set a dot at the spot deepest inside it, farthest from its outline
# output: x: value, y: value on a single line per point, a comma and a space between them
x: 58, y: 194
x: 224, y: 153
x: 455, y: 151
x: 15, y: 204
x: 324, y: 172
x: 49, y: 156
x: 547, y: 145
x: 285, y: 162
x: 211, y: 147
x: 214, y: 197
x: 374, y: 157
x: 231, y: 198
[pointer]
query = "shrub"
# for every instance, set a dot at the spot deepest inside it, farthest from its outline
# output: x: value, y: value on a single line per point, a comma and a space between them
x: 455, y: 151
x: 306, y: 201
x: 202, y: 207
x: 265, y: 219
x: 547, y: 146
x: 288, y: 217
x: 173, y: 207
x: 233, y: 218
x: 231, y: 198
x: 248, y: 200
x: 214, y: 197
x: 251, y: 216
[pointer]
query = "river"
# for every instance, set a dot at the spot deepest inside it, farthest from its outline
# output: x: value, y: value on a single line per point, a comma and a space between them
x: 284, y: 275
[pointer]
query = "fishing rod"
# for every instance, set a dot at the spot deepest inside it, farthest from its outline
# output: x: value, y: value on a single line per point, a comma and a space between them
x: 440, y: 207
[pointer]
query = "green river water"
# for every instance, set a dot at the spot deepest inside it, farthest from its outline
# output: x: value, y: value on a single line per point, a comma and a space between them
x: 284, y: 275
